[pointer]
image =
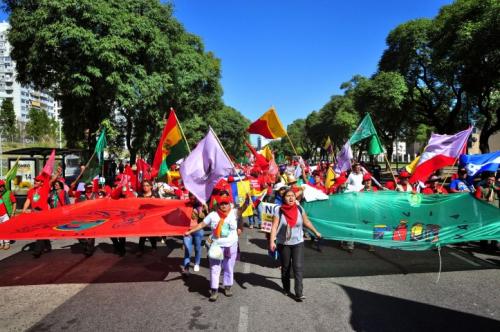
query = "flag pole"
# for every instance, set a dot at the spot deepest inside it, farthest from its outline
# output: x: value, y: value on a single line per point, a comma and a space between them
x: 390, y: 169
x: 86, y: 167
x: 456, y: 159
x: 182, y: 131
x: 291, y: 143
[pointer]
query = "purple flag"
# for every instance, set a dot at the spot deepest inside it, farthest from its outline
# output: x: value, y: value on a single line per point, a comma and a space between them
x: 344, y: 159
x: 204, y: 166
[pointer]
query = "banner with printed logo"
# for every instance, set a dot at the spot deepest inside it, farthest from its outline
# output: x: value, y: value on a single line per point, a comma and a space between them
x: 404, y: 220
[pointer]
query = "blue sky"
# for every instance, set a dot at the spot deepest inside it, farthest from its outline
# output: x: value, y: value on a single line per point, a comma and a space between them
x: 294, y: 54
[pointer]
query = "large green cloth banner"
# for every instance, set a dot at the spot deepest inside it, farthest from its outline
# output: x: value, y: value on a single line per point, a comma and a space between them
x: 404, y: 220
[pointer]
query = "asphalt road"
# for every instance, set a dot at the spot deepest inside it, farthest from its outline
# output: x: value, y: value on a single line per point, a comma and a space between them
x: 387, y: 290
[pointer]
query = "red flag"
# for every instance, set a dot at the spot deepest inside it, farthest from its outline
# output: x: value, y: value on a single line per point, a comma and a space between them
x: 102, y: 218
x: 260, y: 160
x: 143, y: 170
x: 131, y: 177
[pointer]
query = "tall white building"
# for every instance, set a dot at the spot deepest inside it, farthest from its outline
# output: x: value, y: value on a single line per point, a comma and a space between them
x: 23, y: 97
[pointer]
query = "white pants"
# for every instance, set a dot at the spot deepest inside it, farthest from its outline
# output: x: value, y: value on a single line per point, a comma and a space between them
x: 3, y: 219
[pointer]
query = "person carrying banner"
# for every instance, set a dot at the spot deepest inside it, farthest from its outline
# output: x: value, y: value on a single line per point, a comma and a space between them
x: 88, y: 195
x: 147, y: 192
x: 121, y: 190
x: 287, y: 236
x: 224, y: 242
x: 460, y: 184
x: 355, y: 179
x: 367, y: 183
x: 433, y: 187
x: 37, y: 199
x: 403, y: 185
x: 7, y: 210
x: 488, y: 191
x: 199, y: 213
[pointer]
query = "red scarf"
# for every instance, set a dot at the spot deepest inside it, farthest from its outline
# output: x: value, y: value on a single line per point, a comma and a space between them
x: 218, y: 228
x: 291, y: 213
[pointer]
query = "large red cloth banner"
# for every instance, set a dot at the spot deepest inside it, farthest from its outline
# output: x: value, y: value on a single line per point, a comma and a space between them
x: 102, y: 218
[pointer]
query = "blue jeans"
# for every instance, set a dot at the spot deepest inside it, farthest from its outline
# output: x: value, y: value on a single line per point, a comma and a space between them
x: 195, y: 238
x: 255, y: 219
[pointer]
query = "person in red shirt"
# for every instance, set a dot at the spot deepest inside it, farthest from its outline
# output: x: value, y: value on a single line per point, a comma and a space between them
x: 433, y: 187
x: 37, y: 200
x: 318, y: 183
x: 367, y: 183
x: 339, y: 186
x: 403, y: 184
x: 4, y: 213
x: 121, y: 191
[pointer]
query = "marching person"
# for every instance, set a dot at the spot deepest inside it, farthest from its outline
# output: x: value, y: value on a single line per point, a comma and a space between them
x: 147, y: 192
x: 224, y: 225
x: 88, y: 195
x: 460, y: 184
x: 37, y: 199
x: 5, y: 214
x: 355, y: 179
x: 403, y: 185
x: 199, y: 213
x: 433, y: 186
x: 287, y: 236
x: 367, y: 183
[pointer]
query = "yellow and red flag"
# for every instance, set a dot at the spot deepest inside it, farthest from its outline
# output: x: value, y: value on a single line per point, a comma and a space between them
x: 268, y: 125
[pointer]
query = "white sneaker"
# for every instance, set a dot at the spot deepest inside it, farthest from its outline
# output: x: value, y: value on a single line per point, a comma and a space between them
x: 196, y: 268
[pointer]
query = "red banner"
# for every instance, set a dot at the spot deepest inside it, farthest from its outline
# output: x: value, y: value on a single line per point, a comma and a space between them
x: 102, y: 218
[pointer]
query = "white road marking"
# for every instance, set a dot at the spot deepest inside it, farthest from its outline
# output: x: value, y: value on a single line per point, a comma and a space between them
x: 243, y: 322
x: 246, y: 268
x: 464, y: 259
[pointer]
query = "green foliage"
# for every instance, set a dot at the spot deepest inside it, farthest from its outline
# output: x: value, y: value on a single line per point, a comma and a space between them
x: 383, y: 97
x: 466, y: 46
x: 40, y: 126
x: 123, y: 60
x: 8, y: 118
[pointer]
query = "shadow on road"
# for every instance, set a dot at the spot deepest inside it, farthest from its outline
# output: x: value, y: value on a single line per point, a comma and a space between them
x: 376, y: 312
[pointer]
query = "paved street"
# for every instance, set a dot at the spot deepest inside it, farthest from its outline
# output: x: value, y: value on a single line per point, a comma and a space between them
x: 381, y: 291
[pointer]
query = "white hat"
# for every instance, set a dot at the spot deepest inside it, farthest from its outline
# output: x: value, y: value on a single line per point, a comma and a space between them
x: 280, y: 185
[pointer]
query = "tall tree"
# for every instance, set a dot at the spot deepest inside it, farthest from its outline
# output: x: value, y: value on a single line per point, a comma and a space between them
x: 40, y: 126
x: 433, y: 98
x: 7, y: 118
x: 383, y: 97
x: 466, y: 46
x: 126, y: 60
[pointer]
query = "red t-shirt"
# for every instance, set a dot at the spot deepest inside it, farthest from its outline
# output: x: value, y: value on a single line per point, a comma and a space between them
x: 39, y: 197
x: 3, y: 209
x: 429, y: 191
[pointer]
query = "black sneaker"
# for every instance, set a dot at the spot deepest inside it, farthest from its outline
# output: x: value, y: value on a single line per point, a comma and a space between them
x: 213, y: 295
x: 227, y: 291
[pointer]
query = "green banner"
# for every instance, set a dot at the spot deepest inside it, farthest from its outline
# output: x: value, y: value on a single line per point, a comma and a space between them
x: 404, y: 220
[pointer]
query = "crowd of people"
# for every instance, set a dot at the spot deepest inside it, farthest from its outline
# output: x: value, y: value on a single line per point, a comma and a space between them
x: 222, y: 216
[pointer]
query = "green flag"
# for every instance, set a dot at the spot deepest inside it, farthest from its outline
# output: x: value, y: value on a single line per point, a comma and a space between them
x: 11, y: 174
x: 367, y: 130
x: 100, y: 146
